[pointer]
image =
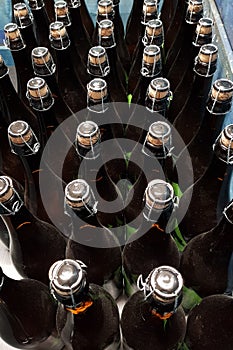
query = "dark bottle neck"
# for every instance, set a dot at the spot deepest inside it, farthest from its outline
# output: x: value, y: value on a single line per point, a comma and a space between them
x: 24, y: 70
x: 139, y: 95
x: 115, y: 86
x: 85, y: 215
x: 42, y: 22
x: 218, y: 170
x: 163, y: 217
x: 20, y: 217
x: 29, y: 37
x: 221, y: 234
x: 14, y: 108
x: 79, y: 31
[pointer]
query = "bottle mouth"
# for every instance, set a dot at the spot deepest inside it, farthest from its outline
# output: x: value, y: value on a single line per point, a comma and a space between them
x: 13, y: 38
x: 166, y: 282
x: 194, y: 11
x: 77, y: 193
x: 67, y: 276
x: 36, y: 4
x: 58, y: 35
x: 159, y: 88
x: 159, y: 134
x: 42, y: 61
x: 62, y: 12
x: 22, y: 17
x: 159, y: 195
x: 22, y: 139
x: 151, y: 62
x: 73, y: 3
x: 6, y: 188
x: 223, y: 146
x: 149, y: 11
x: 88, y: 134
x: 105, y: 8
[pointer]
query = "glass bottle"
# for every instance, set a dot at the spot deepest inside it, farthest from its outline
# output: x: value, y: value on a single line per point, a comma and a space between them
x: 154, y: 35
x: 27, y: 314
x: 120, y: 37
x: 101, y: 109
x: 208, y: 257
x: 154, y: 312
x: 21, y: 57
x: 151, y: 245
x: 157, y: 102
x: 200, y: 149
x: 87, y: 316
x: 212, y: 311
x: 202, y: 36
x: 44, y: 66
x: 85, y: 16
x: 207, y: 195
x: 50, y: 109
x: 41, y: 21
x: 141, y: 12
x: 24, y: 144
x: 81, y: 204
x: 168, y: 12
x: 189, y: 119
x: 49, y: 5
x: 151, y: 68
x: 98, y: 65
x: 34, y: 244
x: 175, y: 25
x: 13, y: 107
x: 24, y: 20
x: 183, y: 41
x: 70, y: 84
x: 94, y: 244
x: 79, y: 33
x: 106, y: 39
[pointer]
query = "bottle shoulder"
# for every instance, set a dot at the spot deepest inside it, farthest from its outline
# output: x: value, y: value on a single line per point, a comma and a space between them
x: 144, y: 327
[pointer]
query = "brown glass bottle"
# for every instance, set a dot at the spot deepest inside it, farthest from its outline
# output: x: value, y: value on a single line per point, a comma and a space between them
x: 200, y: 149
x: 44, y: 67
x: 87, y: 316
x: 151, y: 68
x: 79, y: 34
x: 168, y: 12
x: 189, y: 119
x: 201, y: 214
x: 35, y: 245
x: 24, y: 20
x: 154, y: 312
x: 21, y: 57
x: 175, y: 24
x: 183, y: 41
x: 28, y: 314
x: 13, y: 107
x: 141, y: 12
x: 208, y: 257
x: 207, y: 316
x: 86, y: 18
x: 203, y: 36
x: 90, y: 241
x: 106, y: 39
x: 41, y: 20
x: 101, y: 66
x: 120, y: 37
x: 151, y: 245
x: 49, y: 5
x: 112, y: 219
x: 157, y: 102
x: 70, y: 84
x: 153, y: 36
